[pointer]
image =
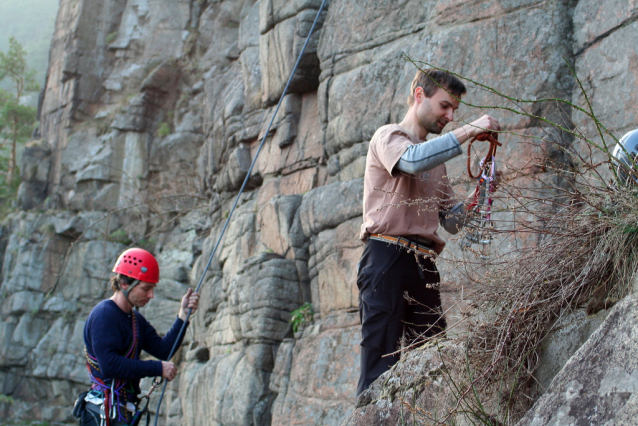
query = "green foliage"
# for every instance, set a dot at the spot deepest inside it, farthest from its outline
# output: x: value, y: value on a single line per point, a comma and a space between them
x: 111, y: 37
x: 13, y: 66
x: 8, y: 399
x: 47, y: 229
x: 16, y: 120
x: 301, y: 316
x: 630, y: 229
x: 120, y: 236
x: 147, y: 244
x: 102, y: 126
x: 8, y: 188
x: 31, y: 22
x: 163, y: 130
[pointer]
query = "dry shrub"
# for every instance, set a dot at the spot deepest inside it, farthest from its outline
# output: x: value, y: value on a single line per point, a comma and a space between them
x: 571, y: 244
x: 587, y: 258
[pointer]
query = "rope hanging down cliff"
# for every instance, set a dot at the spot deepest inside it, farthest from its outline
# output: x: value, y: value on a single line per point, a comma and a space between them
x: 158, y: 381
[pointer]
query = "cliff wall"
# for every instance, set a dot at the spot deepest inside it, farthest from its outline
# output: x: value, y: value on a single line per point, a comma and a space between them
x: 152, y: 113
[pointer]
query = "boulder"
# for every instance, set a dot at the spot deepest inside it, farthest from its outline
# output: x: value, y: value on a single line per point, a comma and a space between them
x: 568, y: 335
x: 35, y: 162
x: 419, y: 389
x: 31, y: 195
x: 261, y: 297
x: 275, y: 222
x: 600, y: 381
x: 273, y: 12
x: 163, y: 78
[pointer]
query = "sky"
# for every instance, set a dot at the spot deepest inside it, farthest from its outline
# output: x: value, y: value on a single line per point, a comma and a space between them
x: 32, y: 23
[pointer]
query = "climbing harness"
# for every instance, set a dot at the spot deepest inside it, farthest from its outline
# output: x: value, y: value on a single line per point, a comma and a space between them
x: 478, y: 226
x: 161, y: 380
x: 113, y: 400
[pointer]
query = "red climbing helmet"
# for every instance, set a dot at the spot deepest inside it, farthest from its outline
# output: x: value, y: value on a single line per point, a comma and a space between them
x: 139, y: 264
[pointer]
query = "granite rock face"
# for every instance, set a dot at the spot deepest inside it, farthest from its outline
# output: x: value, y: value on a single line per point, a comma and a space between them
x: 599, y: 382
x: 152, y: 114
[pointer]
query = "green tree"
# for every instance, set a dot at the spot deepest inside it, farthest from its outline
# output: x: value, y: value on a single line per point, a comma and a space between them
x: 16, y: 121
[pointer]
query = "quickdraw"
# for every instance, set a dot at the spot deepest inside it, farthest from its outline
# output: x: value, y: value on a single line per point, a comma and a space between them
x: 137, y: 417
x: 479, y: 223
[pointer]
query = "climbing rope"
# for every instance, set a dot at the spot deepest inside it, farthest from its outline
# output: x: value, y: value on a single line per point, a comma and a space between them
x: 157, y: 381
x: 480, y: 223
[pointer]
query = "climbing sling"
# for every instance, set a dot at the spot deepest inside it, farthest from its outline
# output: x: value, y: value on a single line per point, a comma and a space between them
x: 480, y: 208
x: 115, y: 406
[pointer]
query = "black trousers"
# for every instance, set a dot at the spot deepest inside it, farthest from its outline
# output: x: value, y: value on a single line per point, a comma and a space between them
x: 386, y: 273
x: 91, y: 417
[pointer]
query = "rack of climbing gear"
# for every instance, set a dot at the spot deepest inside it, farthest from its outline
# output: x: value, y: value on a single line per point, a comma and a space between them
x: 479, y: 225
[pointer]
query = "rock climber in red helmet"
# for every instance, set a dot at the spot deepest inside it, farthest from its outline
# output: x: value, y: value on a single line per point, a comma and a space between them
x: 114, y: 336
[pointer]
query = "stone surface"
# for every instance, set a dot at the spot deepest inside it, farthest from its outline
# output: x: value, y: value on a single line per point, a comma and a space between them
x: 598, y: 384
x: 333, y: 268
x: 415, y: 391
x: 34, y: 172
x: 278, y: 52
x: 605, y: 62
x: 152, y: 114
x: 328, y: 206
x: 569, y: 335
x: 307, y: 371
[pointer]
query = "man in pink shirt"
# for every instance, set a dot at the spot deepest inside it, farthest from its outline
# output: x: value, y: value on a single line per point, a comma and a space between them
x: 402, y: 168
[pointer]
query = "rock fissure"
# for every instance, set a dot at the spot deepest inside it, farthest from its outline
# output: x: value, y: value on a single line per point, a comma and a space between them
x: 630, y: 20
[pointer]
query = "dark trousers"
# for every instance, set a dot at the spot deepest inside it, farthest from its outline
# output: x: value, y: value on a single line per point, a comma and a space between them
x: 91, y: 417
x: 386, y: 273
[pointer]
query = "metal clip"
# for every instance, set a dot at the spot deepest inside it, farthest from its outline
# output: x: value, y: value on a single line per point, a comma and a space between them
x: 102, y: 415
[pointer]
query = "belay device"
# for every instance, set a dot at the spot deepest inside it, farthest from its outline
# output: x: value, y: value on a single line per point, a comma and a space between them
x: 479, y: 224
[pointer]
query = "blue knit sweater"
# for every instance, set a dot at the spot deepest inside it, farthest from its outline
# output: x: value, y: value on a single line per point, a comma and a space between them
x: 108, y: 335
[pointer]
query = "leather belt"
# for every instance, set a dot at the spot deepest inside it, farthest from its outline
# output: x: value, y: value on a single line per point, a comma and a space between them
x: 422, y: 247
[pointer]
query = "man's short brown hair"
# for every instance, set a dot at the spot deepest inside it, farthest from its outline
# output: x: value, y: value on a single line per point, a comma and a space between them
x: 118, y: 280
x: 430, y: 80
